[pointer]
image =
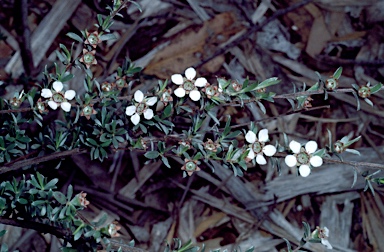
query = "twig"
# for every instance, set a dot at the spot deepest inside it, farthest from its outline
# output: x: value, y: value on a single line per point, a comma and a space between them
x: 40, y: 227
x: 355, y: 164
x: 24, y: 38
x: 36, y: 160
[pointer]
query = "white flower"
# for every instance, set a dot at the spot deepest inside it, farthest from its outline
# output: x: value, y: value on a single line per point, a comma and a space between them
x: 303, y: 157
x: 323, y: 234
x: 257, y: 146
x: 188, y: 85
x: 57, y: 98
x: 141, y: 107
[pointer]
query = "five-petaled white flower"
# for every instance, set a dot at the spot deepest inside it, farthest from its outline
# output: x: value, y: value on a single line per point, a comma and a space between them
x: 188, y: 85
x: 57, y: 98
x: 323, y: 234
x: 303, y: 157
x: 141, y: 107
x: 257, y: 146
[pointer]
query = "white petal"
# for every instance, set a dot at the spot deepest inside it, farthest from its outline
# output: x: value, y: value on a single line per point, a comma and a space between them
x: 66, y: 106
x: 151, y: 101
x: 326, y: 243
x: 46, y: 93
x: 130, y: 110
x: 53, y: 105
x: 190, y: 73
x: 290, y: 160
x: 139, y: 96
x: 316, y: 161
x: 260, y: 159
x: 177, y: 79
x: 250, y: 137
x: 194, y: 95
x: 295, y: 146
x: 201, y: 82
x: 180, y: 92
x: 311, y: 147
x: 326, y: 231
x: 148, y: 114
x: 269, y: 150
x: 304, y: 170
x: 263, y: 135
x: 57, y: 86
x: 69, y: 94
x: 135, y: 119
x: 251, y: 154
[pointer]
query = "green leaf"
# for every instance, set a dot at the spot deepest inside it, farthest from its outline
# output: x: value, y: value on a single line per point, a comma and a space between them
x: 91, y: 141
x: 233, y: 134
x: 107, y: 37
x: 102, y: 220
x: 368, y: 101
x: 167, y: 111
x: 251, y: 249
x: 74, y: 36
x: 40, y: 178
x: 165, y: 161
x: 38, y: 202
x: 61, y: 57
x: 51, y: 184
x: 78, y: 235
x: 376, y: 88
x: 22, y: 201
x: 66, y: 78
x: 137, y: 5
x: 337, y: 73
x: 288, y: 245
x: 227, y: 128
x: 357, y: 100
x: 198, y: 156
x: 69, y: 192
x: 152, y: 154
x: 268, y: 82
x: 262, y: 108
x: 213, y: 117
x: 60, y: 197
x: 354, y: 178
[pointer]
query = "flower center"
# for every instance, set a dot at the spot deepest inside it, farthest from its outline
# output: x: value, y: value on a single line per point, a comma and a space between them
x: 88, y: 58
x: 87, y: 110
x: 339, y: 147
x: 188, y: 86
x: 140, y: 108
x: 92, y: 38
x: 106, y: 87
x: 210, y: 91
x: 331, y: 84
x: 364, y: 92
x: 166, y: 97
x: 120, y: 83
x: 257, y: 147
x: 40, y: 106
x: 190, y: 166
x: 58, y: 98
x: 303, y: 158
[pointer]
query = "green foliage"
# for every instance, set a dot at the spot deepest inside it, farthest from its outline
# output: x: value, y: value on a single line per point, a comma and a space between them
x: 97, y: 122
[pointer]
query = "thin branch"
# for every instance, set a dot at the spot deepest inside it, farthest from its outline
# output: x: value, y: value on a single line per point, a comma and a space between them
x: 40, y: 227
x: 24, y: 38
x: 32, y: 161
x: 355, y: 164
